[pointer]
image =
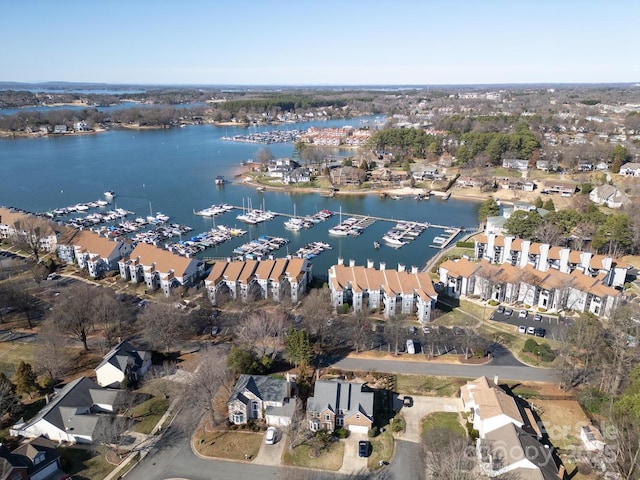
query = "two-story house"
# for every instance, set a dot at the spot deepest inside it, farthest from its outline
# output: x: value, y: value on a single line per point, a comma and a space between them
x: 260, y: 397
x: 91, y: 251
x: 340, y: 404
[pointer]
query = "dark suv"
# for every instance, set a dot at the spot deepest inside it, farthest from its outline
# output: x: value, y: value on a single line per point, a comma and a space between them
x: 363, y: 448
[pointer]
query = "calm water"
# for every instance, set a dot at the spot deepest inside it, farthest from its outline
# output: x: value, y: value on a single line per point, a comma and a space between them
x: 173, y: 171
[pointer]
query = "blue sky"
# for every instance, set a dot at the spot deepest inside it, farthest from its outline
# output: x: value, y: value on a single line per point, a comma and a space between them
x: 320, y: 42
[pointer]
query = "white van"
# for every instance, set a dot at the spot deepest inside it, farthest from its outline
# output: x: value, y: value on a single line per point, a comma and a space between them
x: 411, y: 349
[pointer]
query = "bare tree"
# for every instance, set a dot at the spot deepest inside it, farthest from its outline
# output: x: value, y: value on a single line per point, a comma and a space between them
x: 317, y: 309
x: 20, y: 297
x: 162, y: 325
x: 109, y: 314
x: 30, y: 231
x: 8, y: 398
x: 359, y: 323
x: 110, y: 431
x: 261, y: 329
x: 297, y: 430
x: 447, y: 456
x: 157, y: 382
x: 395, y: 327
x: 204, y: 383
x: 74, y: 312
x: 52, y: 358
x: 548, y: 233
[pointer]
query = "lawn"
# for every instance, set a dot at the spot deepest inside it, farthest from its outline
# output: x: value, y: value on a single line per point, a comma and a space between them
x: 85, y: 464
x: 329, y: 459
x: 382, y: 449
x: 149, y: 414
x: 232, y: 445
x: 446, y: 420
x: 11, y: 353
x: 428, y: 385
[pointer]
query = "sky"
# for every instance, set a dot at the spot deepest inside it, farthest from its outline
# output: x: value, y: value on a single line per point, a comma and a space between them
x: 320, y: 42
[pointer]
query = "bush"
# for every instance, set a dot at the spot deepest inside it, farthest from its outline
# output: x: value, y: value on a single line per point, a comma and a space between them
x: 542, y: 310
x: 398, y: 424
x: 343, y: 309
x: 466, y: 244
x: 473, y: 433
x: 592, y: 399
x: 341, y: 433
x: 373, y: 432
x: 546, y: 353
x: 494, y: 303
x: 530, y: 346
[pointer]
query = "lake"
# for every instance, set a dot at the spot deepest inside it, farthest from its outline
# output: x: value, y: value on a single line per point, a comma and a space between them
x: 173, y: 171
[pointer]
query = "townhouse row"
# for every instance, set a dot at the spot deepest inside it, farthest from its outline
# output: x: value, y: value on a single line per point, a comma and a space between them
x: 394, y: 291
x: 512, y: 270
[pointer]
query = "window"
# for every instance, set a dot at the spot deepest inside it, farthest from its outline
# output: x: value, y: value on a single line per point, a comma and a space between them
x: 339, y: 422
x: 357, y: 415
x: 238, y: 418
x: 314, y: 426
x: 327, y: 417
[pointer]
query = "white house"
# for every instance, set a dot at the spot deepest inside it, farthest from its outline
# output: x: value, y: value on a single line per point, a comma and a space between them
x: 257, y: 397
x: 609, y: 196
x: 630, y: 169
x: 122, y: 361
x: 15, y: 223
x: 91, y: 251
x: 72, y: 415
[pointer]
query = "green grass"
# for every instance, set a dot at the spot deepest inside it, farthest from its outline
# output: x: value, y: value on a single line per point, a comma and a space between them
x: 446, y: 420
x: 329, y: 459
x: 382, y: 449
x: 428, y: 385
x: 149, y: 413
x: 85, y: 464
x: 11, y: 353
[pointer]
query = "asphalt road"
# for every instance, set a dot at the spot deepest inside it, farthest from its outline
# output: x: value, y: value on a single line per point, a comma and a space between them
x: 407, y: 462
x: 518, y: 372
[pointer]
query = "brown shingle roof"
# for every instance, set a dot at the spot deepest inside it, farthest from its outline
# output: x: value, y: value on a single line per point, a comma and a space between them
x: 233, y: 270
x: 460, y: 268
x: 93, y: 243
x: 247, y: 271
x: 278, y: 269
x: 215, y: 275
x: 163, y: 259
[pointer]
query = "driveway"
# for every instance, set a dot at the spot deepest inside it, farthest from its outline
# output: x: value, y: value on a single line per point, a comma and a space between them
x: 351, y: 461
x: 271, y: 454
x: 423, y: 406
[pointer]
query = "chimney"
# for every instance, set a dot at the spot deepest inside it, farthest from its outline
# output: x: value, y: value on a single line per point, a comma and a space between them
x: 370, y: 264
x: 352, y: 263
x: 495, y: 379
x: 340, y: 261
x: 414, y: 270
x: 46, y: 399
x: 382, y: 265
x: 401, y: 267
x: 561, y: 471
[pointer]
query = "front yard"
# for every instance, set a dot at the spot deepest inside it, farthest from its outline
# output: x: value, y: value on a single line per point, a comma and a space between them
x: 232, y: 445
x: 85, y: 463
x: 328, y: 459
x: 429, y: 385
x: 382, y: 449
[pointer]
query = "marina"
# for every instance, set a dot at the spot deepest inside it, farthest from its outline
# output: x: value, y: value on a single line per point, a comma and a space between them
x: 214, y: 210
x: 272, y: 136
x: 404, y: 232
x: 311, y: 250
x: 259, y: 248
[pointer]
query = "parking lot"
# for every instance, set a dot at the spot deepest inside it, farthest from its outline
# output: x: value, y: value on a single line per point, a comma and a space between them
x: 554, y: 326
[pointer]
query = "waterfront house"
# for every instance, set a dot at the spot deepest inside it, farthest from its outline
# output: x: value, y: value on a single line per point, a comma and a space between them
x: 609, y: 196
x: 91, y: 251
x: 559, y: 186
x: 466, y: 181
x: 340, y: 404
x: 159, y: 268
x: 60, y: 129
x: 630, y: 169
x: 297, y: 175
x: 250, y: 280
x: 394, y: 291
x: 73, y: 414
x: 261, y: 397
x: 122, y: 361
x: 15, y: 224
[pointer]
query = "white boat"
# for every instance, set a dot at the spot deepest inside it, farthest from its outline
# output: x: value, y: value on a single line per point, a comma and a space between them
x: 219, y: 180
x: 395, y: 241
x: 439, y: 240
x: 110, y: 194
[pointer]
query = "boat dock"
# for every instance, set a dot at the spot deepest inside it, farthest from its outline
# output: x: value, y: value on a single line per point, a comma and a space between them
x: 404, y: 232
x: 441, y: 242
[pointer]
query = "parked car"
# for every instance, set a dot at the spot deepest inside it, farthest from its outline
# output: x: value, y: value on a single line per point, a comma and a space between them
x: 537, y: 317
x: 531, y: 330
x: 53, y: 276
x: 426, y: 329
x: 407, y: 401
x: 522, y: 329
x: 540, y: 332
x: 522, y: 314
x: 500, y: 309
x: 270, y: 437
x: 363, y: 448
x: 508, y: 312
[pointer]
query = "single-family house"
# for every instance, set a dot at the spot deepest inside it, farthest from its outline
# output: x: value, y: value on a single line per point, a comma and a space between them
x: 547, y: 165
x: 395, y: 291
x: 60, y: 129
x: 467, y: 181
x: 41, y: 459
x: 515, y: 453
x: 122, y: 361
x: 73, y: 414
x: 630, y: 169
x: 559, y: 186
x: 91, y: 251
x: 340, y: 404
x: 11, y: 467
x: 515, y: 163
x: 297, y: 175
x: 260, y: 397
x: 609, y: 196
x: 159, y: 268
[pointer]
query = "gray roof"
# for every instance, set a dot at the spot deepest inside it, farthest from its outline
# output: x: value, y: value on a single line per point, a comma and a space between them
x: 266, y: 388
x: 122, y: 355
x: 73, y: 407
x: 337, y: 395
x: 511, y: 444
x: 28, y: 452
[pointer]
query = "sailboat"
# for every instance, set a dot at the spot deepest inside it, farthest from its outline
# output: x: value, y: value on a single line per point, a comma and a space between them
x: 339, y: 230
x: 295, y: 223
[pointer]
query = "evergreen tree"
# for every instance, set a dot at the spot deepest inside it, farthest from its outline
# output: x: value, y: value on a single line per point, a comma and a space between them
x: 538, y: 203
x: 549, y: 205
x: 489, y: 208
x: 25, y: 378
x: 298, y: 347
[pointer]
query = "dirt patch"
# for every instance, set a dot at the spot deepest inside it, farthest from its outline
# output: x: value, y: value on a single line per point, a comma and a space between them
x: 562, y: 420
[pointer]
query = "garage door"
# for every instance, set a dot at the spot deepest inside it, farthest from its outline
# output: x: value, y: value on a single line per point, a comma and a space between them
x: 358, y: 429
